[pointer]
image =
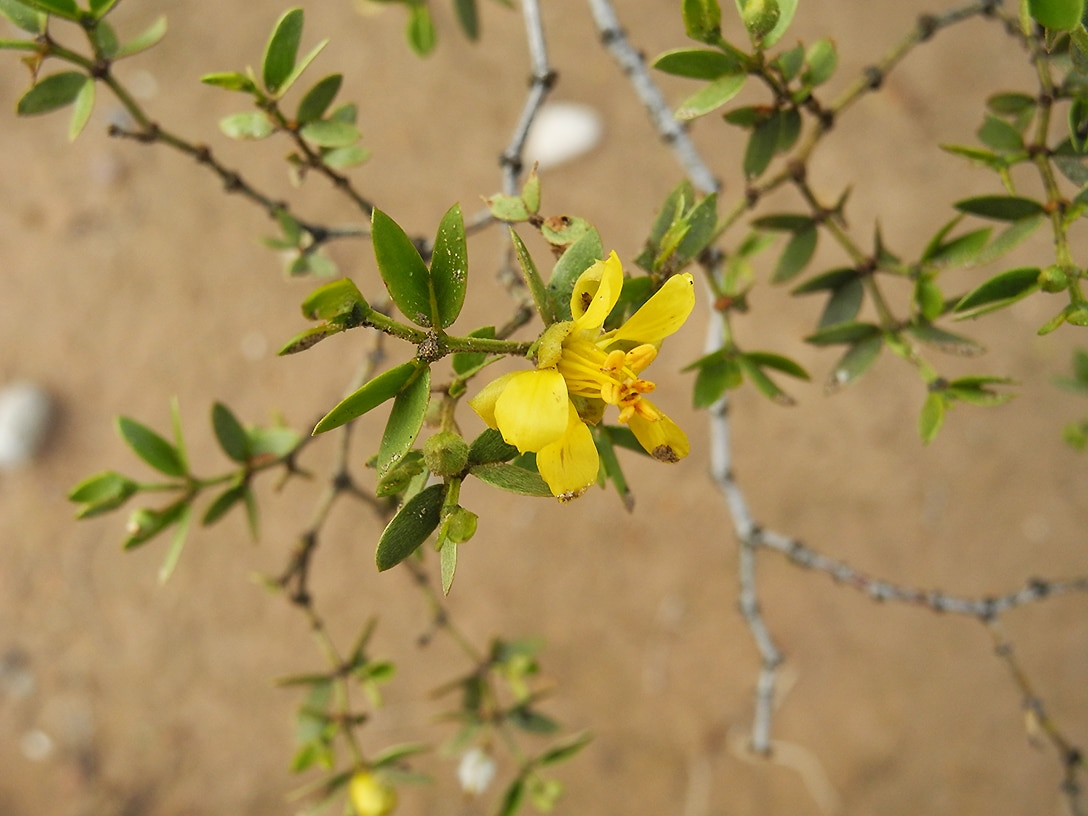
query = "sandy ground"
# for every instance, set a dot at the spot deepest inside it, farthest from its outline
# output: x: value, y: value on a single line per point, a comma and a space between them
x: 130, y: 278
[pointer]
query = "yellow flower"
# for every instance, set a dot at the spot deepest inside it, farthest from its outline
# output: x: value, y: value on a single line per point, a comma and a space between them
x: 580, y: 371
x: 370, y: 796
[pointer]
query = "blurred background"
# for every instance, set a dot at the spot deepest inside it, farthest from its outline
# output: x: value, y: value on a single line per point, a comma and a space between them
x: 129, y: 278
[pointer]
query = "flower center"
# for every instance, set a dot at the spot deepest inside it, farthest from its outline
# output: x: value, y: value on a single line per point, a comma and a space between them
x: 610, y: 376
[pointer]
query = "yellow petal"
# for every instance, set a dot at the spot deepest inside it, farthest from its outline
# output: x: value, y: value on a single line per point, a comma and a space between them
x: 531, y: 411
x: 662, y: 314
x: 596, y: 292
x: 484, y: 402
x: 662, y: 438
x: 570, y: 464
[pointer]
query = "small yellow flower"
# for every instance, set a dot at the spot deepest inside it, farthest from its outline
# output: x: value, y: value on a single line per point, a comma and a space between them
x: 370, y: 796
x: 580, y: 371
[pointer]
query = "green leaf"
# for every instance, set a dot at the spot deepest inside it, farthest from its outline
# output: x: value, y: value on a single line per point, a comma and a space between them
x: 383, y: 387
x: 1000, y: 135
x: 334, y: 300
x: 999, y: 291
x: 23, y: 16
x: 946, y: 341
x: 405, y: 419
x: 400, y: 474
x: 796, y: 256
x: 100, y: 8
x: 1011, y: 238
x: 308, y: 338
x: 832, y: 279
x: 761, y: 148
x: 718, y: 373
x: 466, y: 361
x: 468, y: 17
x: 81, y: 111
x: 511, y: 478
x: 764, y: 384
x: 610, y: 464
x: 330, y: 133
x: 698, y: 63
x: 449, y: 267
x: 581, y: 255
x: 146, y: 523
x: 843, y: 333
x: 223, y: 503
x: 447, y: 557
x: 247, y: 125
x: 151, y: 447
x: 229, y: 432
x: 62, y: 8
x: 857, y: 360
x: 344, y: 158
x: 765, y: 359
x: 421, y: 31
x: 146, y: 39
x: 230, y: 81
x: 490, y: 447
x: 51, y: 93
x: 786, y: 10
x: 402, y: 269
x: 710, y: 97
x: 1057, y: 15
x: 1000, y: 208
x: 317, y: 100
x: 105, y: 39
x: 277, y: 441
x: 1011, y: 104
x: 565, y: 749
x: 822, y: 60
x: 410, y: 527
x: 960, y: 251
x: 932, y: 416
x: 844, y: 304
x: 282, y: 50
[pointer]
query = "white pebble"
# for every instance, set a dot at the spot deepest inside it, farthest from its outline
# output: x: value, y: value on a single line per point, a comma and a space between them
x: 562, y: 132
x: 26, y: 414
x: 475, y: 771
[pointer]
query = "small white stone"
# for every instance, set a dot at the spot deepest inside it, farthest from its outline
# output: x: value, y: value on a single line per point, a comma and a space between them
x: 562, y: 132
x: 476, y: 771
x: 26, y: 414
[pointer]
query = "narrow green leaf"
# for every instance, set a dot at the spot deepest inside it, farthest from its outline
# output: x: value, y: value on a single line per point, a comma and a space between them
x: 177, y: 544
x: 277, y: 441
x: 932, y: 416
x: 786, y: 10
x: 946, y: 341
x: 843, y: 333
x: 761, y: 147
x: 447, y: 557
x: 764, y: 384
x: 51, y: 93
x: 857, y: 360
x: 698, y: 63
x: 405, y: 419
x: 81, y: 111
x: 511, y: 478
x: 822, y: 60
x: 610, y: 464
x: 105, y: 39
x: 100, y: 8
x: 844, y: 304
x: 308, y: 338
x: 1000, y: 208
x: 400, y: 474
x: 960, y: 251
x: 1000, y: 135
x: 229, y: 432
x: 383, y: 387
x: 1000, y: 291
x: 402, y: 269
x: 449, y: 267
x: 710, y: 97
x: 1011, y: 238
x: 410, y: 527
x: 565, y: 749
x: 1011, y: 104
x: 101, y: 493
x: 144, y: 524
x: 330, y: 133
x: 715, y: 377
x: 317, y: 100
x: 150, y: 447
x: 282, y: 50
x: 146, y: 39
x: 247, y: 125
x: 796, y: 256
x: 344, y: 158
x: 766, y: 359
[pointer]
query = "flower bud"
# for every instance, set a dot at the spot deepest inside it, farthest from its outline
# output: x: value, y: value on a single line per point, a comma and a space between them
x: 461, y: 525
x: 370, y: 796
x: 760, y: 17
x: 1053, y: 279
x: 475, y: 771
x: 445, y: 453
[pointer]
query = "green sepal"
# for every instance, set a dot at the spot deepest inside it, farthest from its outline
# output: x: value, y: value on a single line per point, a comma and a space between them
x: 410, y: 527
x: 151, y: 447
x: 383, y: 387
